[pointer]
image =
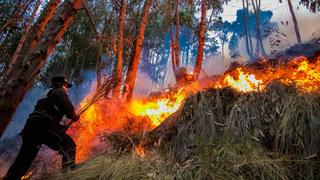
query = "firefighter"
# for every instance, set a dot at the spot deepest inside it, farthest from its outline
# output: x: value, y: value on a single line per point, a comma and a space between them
x: 43, y: 126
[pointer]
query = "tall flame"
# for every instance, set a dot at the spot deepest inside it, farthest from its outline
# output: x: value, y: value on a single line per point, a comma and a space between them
x: 99, y: 117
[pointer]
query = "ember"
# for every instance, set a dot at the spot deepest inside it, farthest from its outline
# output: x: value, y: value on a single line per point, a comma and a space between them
x: 27, y: 176
x: 140, y: 151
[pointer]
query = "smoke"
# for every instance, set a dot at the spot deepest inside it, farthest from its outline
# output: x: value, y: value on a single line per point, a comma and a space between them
x: 308, y: 23
x: 143, y: 85
x: 214, y: 65
x: 22, y: 112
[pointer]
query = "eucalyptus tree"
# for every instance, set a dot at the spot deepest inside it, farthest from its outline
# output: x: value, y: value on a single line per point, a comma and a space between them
x: 23, y: 73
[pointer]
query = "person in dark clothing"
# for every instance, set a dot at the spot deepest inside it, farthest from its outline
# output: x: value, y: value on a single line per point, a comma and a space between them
x: 43, y: 127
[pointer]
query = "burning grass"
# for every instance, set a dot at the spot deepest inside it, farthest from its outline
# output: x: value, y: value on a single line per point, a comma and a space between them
x: 221, y: 134
x: 259, y: 121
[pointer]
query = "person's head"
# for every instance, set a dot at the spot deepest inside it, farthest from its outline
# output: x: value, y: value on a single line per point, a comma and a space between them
x: 60, y: 82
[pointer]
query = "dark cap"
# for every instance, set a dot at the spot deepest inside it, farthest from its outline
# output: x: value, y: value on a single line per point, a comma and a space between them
x: 60, y: 80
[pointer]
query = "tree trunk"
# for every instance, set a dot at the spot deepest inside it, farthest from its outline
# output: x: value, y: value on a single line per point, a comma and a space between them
x: 260, y: 35
x: 187, y: 56
x: 259, y: 44
x: 89, y: 14
x: 222, y: 51
x: 98, y: 65
x: 82, y: 66
x: 198, y: 64
x: 249, y: 33
x: 177, y: 46
x: 37, y: 29
x: 118, y: 65
x: 255, y: 9
x: 134, y: 62
x: 295, y: 22
x: 172, y: 47
x: 245, y: 24
x: 16, y: 83
x: 65, y: 66
x: 25, y: 34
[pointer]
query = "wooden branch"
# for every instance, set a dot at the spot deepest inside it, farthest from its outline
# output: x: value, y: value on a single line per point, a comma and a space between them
x: 25, y: 34
x: 89, y: 14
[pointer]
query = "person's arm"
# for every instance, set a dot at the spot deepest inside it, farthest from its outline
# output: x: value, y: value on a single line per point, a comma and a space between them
x: 66, y: 104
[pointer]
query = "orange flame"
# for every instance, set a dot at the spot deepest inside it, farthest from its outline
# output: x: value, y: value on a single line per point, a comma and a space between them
x: 159, y: 109
x: 102, y: 116
x: 245, y: 82
x: 26, y: 176
x: 140, y: 151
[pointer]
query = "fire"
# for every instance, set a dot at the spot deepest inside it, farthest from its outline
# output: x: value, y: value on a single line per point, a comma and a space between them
x: 94, y: 121
x: 245, y: 82
x: 105, y: 116
x: 140, y: 151
x: 307, y: 75
x: 159, y: 109
x: 27, y: 176
x: 301, y: 72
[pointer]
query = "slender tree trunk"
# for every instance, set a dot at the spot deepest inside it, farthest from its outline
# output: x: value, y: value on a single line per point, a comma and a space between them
x: 25, y: 34
x: 118, y: 65
x: 177, y: 45
x: 98, y: 65
x: 295, y: 22
x: 134, y: 62
x: 255, y: 9
x: 187, y: 56
x: 245, y: 23
x: 166, y: 57
x: 82, y: 66
x: 37, y: 29
x: 263, y: 51
x: 259, y: 44
x: 65, y: 66
x: 249, y: 33
x: 23, y: 73
x: 89, y: 14
x: 172, y: 47
x: 222, y: 50
x: 198, y: 64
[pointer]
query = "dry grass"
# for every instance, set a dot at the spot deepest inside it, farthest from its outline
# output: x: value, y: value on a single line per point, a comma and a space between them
x: 223, y: 134
x: 282, y: 118
x: 219, y: 159
x: 129, y: 166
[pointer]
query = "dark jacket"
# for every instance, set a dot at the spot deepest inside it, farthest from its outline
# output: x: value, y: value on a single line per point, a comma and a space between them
x: 50, y: 109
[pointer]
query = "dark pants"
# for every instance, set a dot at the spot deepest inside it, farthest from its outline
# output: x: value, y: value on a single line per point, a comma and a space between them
x: 32, y: 139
